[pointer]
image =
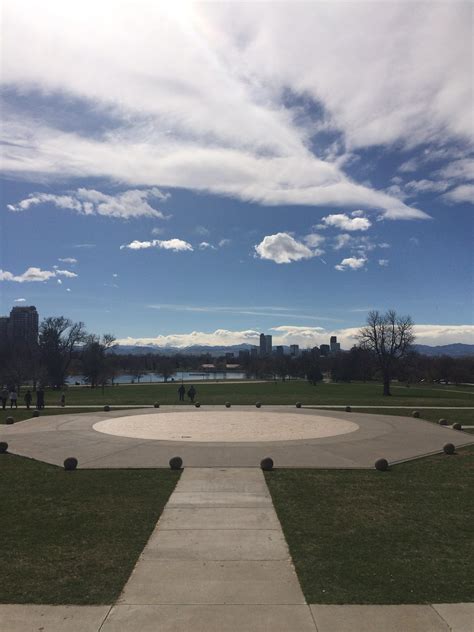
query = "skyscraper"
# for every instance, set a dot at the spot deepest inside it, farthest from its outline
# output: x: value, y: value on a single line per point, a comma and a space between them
x: 263, y: 348
x: 334, y: 344
x: 268, y: 345
x: 23, y: 326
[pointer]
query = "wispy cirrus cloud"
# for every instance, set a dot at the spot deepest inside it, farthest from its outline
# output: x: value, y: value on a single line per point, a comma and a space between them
x: 219, y: 119
x: 125, y: 205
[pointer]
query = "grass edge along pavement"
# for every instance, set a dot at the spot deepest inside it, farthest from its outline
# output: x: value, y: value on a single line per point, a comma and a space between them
x: 368, y: 537
x: 274, y: 393
x: 74, y: 537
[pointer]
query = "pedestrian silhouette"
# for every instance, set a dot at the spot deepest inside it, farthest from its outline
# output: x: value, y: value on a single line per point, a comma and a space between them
x: 40, y: 399
x: 28, y: 399
x: 192, y: 393
x: 4, y: 397
x: 13, y: 399
x: 181, y: 392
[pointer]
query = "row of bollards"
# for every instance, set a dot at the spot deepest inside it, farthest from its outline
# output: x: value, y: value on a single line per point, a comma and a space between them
x: 266, y: 464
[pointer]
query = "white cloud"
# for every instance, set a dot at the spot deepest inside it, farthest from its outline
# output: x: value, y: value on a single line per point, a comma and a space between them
x: 65, y: 273
x: 218, y: 118
x: 176, y: 245
x: 344, y: 222
x: 354, y: 263
x: 342, y: 241
x: 462, y: 169
x: 59, y: 282
x: 283, y: 248
x: 157, y: 231
x: 426, y: 186
x: 414, y: 241
x: 313, y: 240
x: 129, y: 204
x: 462, y: 193
x: 202, y: 230
x: 70, y: 260
x: 383, y: 262
x: 205, y: 245
x: 20, y: 300
x: 305, y: 336
x: 408, y: 166
x: 30, y: 275
x: 224, y: 242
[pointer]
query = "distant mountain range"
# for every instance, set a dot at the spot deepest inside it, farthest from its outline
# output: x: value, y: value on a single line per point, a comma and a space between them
x: 455, y: 350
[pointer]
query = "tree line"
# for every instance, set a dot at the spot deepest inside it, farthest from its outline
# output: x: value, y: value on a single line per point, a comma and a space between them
x: 384, y: 352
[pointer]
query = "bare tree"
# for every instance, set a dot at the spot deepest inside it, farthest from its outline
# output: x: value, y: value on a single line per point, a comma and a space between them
x: 389, y: 337
x: 58, y: 336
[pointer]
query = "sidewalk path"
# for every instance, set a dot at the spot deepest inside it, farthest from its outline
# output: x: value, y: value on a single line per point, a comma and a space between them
x: 217, y: 561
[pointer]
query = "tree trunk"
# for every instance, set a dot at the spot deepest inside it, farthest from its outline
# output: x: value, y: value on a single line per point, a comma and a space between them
x: 386, y: 385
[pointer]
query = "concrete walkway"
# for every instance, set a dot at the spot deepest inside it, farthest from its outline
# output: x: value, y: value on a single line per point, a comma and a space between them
x: 217, y: 561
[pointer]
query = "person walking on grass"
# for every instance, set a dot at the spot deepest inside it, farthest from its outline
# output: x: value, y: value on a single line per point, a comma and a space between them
x: 40, y: 399
x: 28, y: 399
x: 181, y: 392
x: 62, y: 401
x: 13, y: 398
x: 4, y: 397
x: 192, y: 393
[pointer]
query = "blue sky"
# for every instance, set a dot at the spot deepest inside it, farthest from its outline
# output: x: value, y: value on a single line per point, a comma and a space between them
x: 180, y: 177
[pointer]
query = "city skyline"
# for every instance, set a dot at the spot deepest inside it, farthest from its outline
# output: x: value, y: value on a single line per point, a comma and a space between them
x: 203, y: 184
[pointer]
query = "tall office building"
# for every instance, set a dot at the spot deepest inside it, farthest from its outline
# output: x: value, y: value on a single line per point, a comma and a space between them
x: 268, y: 345
x: 280, y: 351
x: 324, y: 350
x: 3, y: 329
x: 265, y: 345
x: 334, y: 345
x: 294, y: 350
x: 23, y: 326
x: 263, y: 348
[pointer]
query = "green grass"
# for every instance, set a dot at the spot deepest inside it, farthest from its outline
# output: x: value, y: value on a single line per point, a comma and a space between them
x: 271, y: 393
x: 74, y: 537
x: 403, y: 536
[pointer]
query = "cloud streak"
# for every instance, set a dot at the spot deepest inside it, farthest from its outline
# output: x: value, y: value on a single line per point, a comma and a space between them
x: 126, y: 205
x: 225, y: 116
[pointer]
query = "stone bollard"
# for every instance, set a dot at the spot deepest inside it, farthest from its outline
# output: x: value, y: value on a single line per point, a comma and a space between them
x: 266, y: 464
x: 9, y: 420
x: 258, y: 405
x: 70, y: 464
x: 106, y: 408
x: 415, y: 414
x: 348, y: 409
x: 156, y: 405
x: 227, y: 404
x: 176, y: 463
x: 36, y: 413
x: 3, y: 447
x: 443, y: 422
x: 449, y: 448
x: 381, y: 465
x: 298, y: 404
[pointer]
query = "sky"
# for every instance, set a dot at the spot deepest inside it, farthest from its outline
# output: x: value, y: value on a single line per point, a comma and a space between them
x: 196, y: 173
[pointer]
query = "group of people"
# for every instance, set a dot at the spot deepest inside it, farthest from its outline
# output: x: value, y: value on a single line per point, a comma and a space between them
x: 191, y: 393
x: 12, y: 396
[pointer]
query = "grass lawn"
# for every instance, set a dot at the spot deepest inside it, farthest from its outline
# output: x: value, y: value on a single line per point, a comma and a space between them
x: 271, y: 393
x: 403, y: 536
x: 74, y: 537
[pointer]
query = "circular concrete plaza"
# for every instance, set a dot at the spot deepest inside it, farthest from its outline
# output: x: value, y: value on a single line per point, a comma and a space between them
x: 226, y: 426
x: 215, y: 436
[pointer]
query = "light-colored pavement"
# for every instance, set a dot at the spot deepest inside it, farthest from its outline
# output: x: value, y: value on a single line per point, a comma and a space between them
x: 56, y: 437
x: 413, y: 618
x: 217, y: 561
